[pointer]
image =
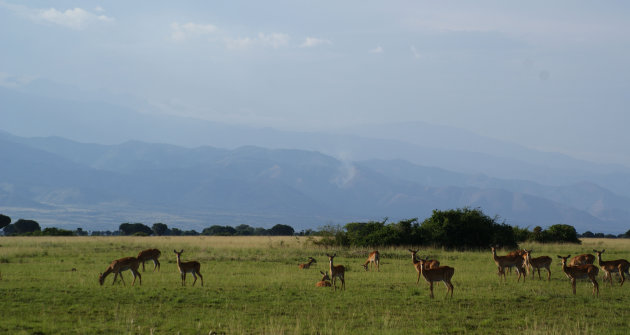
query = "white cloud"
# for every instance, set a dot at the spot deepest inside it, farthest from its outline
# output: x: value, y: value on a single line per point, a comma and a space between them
x: 7, y: 80
x: 273, y: 40
x: 415, y: 52
x: 75, y: 18
x: 311, y: 42
x: 377, y: 50
x: 188, y: 30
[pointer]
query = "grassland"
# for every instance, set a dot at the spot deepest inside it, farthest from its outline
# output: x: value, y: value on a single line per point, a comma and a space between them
x: 253, y: 285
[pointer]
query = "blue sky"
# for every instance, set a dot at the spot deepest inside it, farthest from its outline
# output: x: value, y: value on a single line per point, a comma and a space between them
x: 551, y: 76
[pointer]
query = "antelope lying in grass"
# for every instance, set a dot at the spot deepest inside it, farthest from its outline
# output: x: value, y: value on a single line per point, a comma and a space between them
x: 325, y: 281
x: 307, y: 265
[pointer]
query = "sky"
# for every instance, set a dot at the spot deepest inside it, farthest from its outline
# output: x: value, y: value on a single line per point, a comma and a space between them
x: 552, y: 76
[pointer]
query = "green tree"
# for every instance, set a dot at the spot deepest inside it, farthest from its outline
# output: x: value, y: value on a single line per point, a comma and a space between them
x: 4, y: 221
x: 159, y: 229
x: 217, y: 230
x: 465, y: 229
x: 53, y: 231
x: 132, y: 228
x: 26, y: 226
x: 562, y: 233
x: 281, y: 230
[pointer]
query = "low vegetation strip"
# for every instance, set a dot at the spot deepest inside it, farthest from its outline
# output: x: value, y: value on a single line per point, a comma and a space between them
x: 50, y: 285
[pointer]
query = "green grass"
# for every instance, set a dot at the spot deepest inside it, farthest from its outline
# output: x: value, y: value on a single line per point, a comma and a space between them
x: 253, y: 285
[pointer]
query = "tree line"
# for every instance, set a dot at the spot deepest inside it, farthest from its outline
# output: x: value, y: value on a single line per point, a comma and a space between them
x: 463, y: 228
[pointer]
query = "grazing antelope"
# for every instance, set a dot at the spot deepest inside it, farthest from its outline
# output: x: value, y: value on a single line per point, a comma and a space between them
x: 325, y: 281
x: 620, y: 265
x: 119, y: 265
x: 311, y: 260
x: 538, y: 263
x: 374, y: 258
x: 441, y: 273
x: 589, y: 271
x: 150, y: 255
x: 337, y: 271
x: 184, y: 267
x: 430, y: 264
x: 503, y: 262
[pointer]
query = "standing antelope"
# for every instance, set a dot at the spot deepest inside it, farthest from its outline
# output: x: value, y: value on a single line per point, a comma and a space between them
x: 150, y: 255
x: 515, y: 253
x: 620, y: 265
x: 589, y: 271
x: 430, y: 264
x: 337, y: 271
x: 311, y: 260
x: 119, y: 265
x: 441, y: 273
x: 374, y: 258
x: 325, y: 281
x: 583, y: 259
x: 503, y: 262
x: 538, y: 263
x: 184, y: 267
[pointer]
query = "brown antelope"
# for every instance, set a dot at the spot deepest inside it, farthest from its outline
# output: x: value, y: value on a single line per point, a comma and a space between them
x: 325, y: 281
x: 441, y: 273
x: 429, y: 264
x: 184, y: 267
x: 337, y: 271
x: 589, y: 271
x: 374, y: 258
x: 538, y: 263
x: 150, y: 255
x: 583, y: 259
x: 311, y: 260
x: 503, y: 262
x: 119, y: 265
x: 515, y: 253
x: 620, y: 265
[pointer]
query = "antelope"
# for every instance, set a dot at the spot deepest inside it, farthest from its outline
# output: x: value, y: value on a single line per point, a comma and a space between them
x: 538, y: 263
x: 374, y: 258
x: 515, y: 253
x: 508, y: 261
x: 441, y: 273
x: 311, y: 260
x: 620, y: 265
x: 583, y: 259
x: 119, y: 265
x: 430, y: 264
x: 150, y: 254
x: 589, y: 271
x: 184, y: 267
x: 325, y: 281
x: 337, y: 271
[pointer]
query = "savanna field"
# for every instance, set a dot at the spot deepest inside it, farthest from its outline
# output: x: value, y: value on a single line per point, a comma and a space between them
x: 253, y: 285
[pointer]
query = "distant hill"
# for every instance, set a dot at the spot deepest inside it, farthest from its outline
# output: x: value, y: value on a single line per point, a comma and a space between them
x: 69, y: 184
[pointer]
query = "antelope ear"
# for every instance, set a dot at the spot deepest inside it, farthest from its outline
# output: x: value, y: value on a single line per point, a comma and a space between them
x: 175, y: 251
x: 559, y: 256
x: 603, y: 250
x: 594, y: 250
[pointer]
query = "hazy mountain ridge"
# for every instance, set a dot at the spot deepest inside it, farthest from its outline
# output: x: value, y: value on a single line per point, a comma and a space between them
x: 203, y: 186
x: 54, y: 112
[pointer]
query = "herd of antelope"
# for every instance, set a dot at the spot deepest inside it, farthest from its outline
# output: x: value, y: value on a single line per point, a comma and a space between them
x: 578, y: 267
x: 133, y: 263
x: 428, y: 268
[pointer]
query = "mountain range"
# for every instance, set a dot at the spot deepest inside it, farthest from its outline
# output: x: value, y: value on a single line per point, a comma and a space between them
x: 71, y: 161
